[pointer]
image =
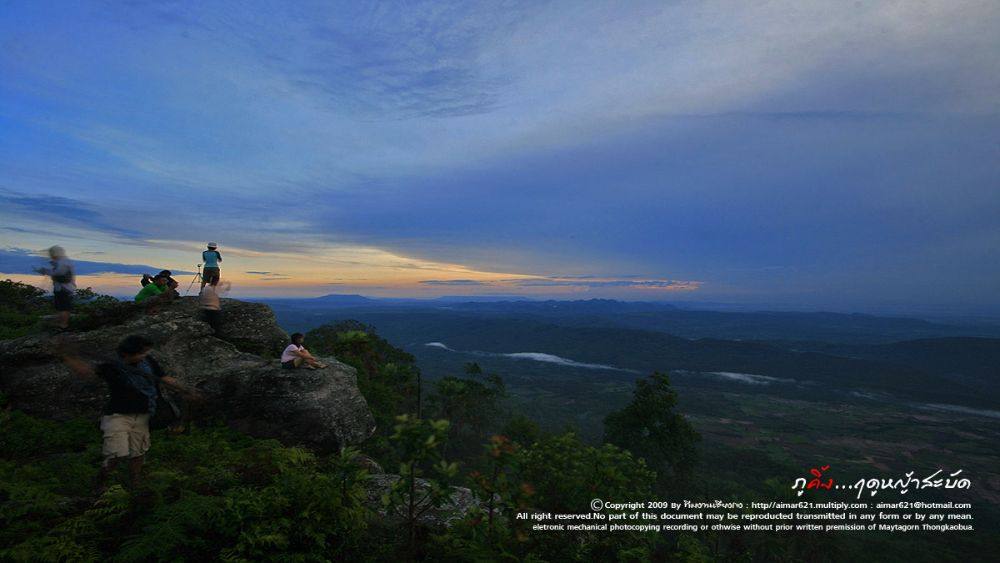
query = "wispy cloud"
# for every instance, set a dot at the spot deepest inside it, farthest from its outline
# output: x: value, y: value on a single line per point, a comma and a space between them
x: 20, y: 261
x: 854, y: 142
x: 59, y: 211
x: 454, y: 282
x: 650, y: 284
x: 592, y: 282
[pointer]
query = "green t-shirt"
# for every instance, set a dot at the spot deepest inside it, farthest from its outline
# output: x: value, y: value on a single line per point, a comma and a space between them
x: 148, y: 291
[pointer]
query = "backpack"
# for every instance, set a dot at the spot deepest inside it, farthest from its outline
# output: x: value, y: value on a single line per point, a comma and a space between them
x: 167, y: 412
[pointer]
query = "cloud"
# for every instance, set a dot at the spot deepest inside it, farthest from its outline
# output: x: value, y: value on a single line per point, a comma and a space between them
x: 852, y: 142
x: 643, y: 284
x: 454, y: 282
x: 59, y: 211
x: 584, y: 281
x: 21, y: 261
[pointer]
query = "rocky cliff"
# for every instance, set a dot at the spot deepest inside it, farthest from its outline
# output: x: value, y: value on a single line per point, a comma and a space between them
x: 237, y: 371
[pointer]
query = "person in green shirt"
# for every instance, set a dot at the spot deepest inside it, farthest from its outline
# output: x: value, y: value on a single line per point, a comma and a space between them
x: 151, y: 295
x: 151, y: 290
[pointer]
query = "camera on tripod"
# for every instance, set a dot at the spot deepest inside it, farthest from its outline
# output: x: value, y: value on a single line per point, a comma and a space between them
x: 197, y: 279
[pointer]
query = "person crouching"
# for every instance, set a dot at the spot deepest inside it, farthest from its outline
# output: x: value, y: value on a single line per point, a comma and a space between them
x: 152, y: 295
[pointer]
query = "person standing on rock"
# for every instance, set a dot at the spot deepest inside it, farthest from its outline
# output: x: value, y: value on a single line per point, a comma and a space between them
x: 211, y: 271
x: 211, y: 304
x: 134, y: 381
x: 63, y: 277
x: 296, y: 355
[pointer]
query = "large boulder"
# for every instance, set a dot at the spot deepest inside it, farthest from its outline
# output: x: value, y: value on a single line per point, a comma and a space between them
x: 251, y: 327
x: 236, y: 371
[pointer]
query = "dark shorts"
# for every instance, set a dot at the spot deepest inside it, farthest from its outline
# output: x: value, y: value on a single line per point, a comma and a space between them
x: 290, y: 364
x: 213, y: 318
x: 63, y: 300
x: 210, y: 274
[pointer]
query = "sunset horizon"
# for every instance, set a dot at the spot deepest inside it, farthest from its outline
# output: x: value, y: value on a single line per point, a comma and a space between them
x: 475, y: 150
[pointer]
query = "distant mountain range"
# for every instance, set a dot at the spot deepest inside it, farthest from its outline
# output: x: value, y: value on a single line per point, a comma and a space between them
x: 662, y: 317
x: 902, y: 357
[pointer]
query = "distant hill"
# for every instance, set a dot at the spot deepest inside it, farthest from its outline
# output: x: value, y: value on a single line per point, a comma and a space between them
x: 977, y: 358
x: 325, y: 302
x: 835, y: 328
x: 472, y: 299
x: 761, y: 325
x: 647, y: 350
x: 556, y: 307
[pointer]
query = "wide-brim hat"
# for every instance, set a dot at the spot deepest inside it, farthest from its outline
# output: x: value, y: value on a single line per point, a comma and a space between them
x: 212, y: 245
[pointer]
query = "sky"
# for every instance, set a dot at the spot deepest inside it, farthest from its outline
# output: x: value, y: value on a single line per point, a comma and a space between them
x: 827, y: 155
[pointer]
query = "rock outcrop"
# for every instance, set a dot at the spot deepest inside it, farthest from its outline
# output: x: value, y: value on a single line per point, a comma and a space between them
x: 458, y: 505
x: 237, y: 372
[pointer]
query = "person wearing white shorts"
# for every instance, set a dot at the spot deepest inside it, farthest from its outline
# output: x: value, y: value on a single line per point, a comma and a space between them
x: 133, y: 382
x: 125, y: 435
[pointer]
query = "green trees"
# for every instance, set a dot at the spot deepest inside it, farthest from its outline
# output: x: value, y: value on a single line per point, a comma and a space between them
x: 472, y: 404
x: 212, y: 494
x: 21, y: 306
x: 418, y: 442
x: 649, y: 428
x: 387, y: 376
x: 391, y: 383
x: 521, y: 430
x: 557, y: 474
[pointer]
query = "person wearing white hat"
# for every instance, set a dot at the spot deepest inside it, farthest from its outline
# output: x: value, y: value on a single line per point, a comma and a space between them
x: 211, y: 259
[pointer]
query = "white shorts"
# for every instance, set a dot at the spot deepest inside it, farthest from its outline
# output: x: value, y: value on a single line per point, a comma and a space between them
x: 125, y: 435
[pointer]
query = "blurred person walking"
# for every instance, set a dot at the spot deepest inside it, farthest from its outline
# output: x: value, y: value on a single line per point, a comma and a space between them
x: 63, y: 276
x: 134, y: 379
x: 211, y: 304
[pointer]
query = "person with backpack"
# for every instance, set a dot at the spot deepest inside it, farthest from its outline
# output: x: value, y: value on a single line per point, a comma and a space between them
x: 134, y: 380
x: 63, y: 276
x: 211, y: 259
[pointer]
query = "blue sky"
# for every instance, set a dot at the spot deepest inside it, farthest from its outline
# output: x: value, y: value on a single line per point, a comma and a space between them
x: 807, y: 154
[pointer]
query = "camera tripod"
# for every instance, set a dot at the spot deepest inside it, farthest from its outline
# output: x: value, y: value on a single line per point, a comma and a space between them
x: 197, y: 279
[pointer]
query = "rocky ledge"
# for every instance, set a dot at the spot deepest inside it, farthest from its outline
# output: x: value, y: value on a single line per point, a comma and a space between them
x: 236, y: 371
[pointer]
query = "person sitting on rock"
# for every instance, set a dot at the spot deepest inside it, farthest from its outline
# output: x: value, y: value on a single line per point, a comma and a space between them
x: 296, y: 355
x: 134, y: 380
